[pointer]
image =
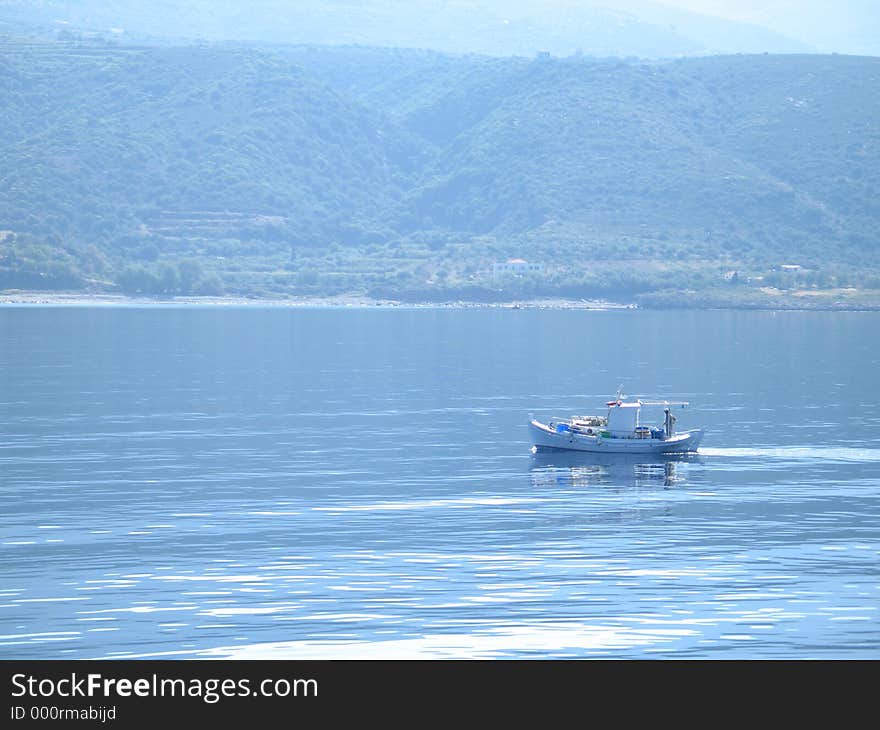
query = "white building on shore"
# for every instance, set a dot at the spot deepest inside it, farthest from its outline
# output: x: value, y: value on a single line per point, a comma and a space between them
x: 515, y: 266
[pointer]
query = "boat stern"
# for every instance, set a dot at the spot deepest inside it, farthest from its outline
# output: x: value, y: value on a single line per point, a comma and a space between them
x: 684, y: 442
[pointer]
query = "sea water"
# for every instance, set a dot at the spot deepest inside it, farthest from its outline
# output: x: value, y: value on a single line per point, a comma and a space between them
x: 358, y: 482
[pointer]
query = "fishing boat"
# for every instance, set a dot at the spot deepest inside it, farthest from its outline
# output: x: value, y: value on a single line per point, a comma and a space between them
x: 621, y: 431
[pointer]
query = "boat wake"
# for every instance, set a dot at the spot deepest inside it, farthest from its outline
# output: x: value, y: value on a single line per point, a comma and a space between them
x: 799, y: 453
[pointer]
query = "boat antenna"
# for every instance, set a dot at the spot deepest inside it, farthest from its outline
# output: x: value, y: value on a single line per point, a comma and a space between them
x: 620, y: 394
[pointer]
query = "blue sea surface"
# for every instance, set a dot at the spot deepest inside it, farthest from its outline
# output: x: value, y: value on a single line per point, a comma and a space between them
x: 282, y: 482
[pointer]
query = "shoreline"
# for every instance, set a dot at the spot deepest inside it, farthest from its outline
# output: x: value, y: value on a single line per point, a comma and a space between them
x: 38, y: 298
x: 78, y: 299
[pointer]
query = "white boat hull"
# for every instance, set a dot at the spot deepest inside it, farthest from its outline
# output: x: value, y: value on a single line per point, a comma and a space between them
x: 543, y: 437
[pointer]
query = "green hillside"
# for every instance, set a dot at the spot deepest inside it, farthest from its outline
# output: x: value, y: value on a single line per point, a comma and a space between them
x: 145, y: 151
x: 776, y: 153
x: 294, y: 170
x: 89, y: 132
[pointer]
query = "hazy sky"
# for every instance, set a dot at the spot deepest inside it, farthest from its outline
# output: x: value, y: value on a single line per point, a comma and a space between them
x: 844, y: 25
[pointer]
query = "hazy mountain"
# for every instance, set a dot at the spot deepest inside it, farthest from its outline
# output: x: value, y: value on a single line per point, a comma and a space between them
x: 497, y: 27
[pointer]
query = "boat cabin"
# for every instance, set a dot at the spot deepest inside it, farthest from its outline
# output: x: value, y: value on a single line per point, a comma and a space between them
x: 623, y: 418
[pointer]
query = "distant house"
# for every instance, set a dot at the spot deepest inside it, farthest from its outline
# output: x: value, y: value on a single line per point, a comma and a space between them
x: 515, y: 266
